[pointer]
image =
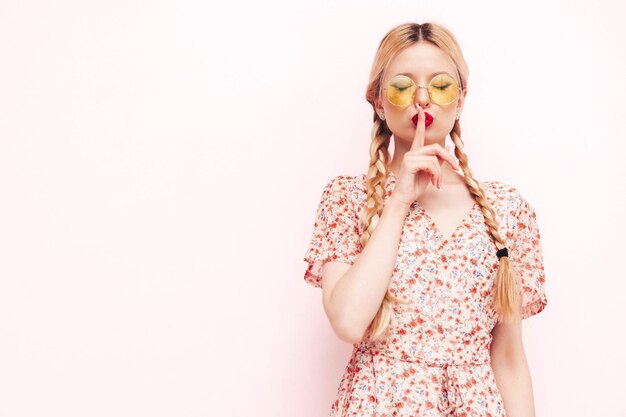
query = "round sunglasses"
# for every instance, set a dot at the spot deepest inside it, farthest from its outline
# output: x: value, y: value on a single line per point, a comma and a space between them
x: 401, y: 90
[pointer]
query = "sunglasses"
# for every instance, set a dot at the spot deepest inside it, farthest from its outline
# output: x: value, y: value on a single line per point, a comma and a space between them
x: 401, y: 90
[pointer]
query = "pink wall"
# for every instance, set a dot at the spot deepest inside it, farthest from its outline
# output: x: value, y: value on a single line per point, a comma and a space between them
x: 160, y: 167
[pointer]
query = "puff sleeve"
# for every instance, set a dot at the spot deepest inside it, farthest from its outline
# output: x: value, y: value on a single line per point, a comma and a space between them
x: 336, y: 235
x: 526, y: 256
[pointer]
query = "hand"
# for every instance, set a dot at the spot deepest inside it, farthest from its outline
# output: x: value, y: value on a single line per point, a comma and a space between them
x: 420, y: 165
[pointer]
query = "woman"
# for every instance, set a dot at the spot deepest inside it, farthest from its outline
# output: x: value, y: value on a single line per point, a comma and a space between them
x: 431, y: 289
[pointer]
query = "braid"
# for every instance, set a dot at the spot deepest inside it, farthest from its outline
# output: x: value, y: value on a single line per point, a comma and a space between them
x: 505, y: 295
x: 375, y: 185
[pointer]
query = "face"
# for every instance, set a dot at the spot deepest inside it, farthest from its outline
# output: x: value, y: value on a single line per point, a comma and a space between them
x: 421, y: 61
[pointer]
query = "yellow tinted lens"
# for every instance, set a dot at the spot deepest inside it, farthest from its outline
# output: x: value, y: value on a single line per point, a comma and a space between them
x: 401, y: 90
x: 443, y: 89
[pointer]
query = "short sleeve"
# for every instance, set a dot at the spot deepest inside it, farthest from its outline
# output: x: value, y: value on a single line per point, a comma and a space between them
x: 526, y: 257
x: 336, y: 235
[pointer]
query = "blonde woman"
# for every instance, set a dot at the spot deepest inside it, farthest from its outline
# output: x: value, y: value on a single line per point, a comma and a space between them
x: 425, y: 270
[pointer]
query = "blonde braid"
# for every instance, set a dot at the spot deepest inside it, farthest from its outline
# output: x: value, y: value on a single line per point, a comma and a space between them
x: 506, y: 296
x: 375, y: 184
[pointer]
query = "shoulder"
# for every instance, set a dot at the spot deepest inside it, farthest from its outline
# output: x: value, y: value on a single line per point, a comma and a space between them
x: 510, y: 202
x: 503, y: 193
x: 344, y: 184
x: 344, y: 188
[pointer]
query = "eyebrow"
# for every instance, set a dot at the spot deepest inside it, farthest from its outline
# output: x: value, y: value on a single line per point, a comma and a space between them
x: 431, y: 75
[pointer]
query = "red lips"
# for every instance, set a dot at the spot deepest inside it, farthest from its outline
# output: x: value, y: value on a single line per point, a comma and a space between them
x: 428, y: 118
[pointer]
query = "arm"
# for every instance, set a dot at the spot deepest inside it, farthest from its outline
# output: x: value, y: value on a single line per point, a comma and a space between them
x: 508, y: 361
x: 508, y: 358
x: 352, y: 294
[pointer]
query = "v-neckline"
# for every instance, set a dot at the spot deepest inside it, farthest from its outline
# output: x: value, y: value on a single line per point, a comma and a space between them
x: 433, y: 226
x: 431, y: 223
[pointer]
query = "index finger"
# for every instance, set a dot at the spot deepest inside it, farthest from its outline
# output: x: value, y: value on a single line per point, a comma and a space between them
x: 418, y: 139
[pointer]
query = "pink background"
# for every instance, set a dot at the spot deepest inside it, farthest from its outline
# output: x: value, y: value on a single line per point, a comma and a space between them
x: 160, y: 168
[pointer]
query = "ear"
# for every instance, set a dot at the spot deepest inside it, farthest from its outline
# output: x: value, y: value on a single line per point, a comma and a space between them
x: 378, y: 106
x: 461, y: 101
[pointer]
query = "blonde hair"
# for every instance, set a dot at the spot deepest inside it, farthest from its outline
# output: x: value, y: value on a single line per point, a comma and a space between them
x: 393, y: 42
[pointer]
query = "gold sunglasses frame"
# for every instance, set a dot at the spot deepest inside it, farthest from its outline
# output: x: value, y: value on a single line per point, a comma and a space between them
x: 459, y: 89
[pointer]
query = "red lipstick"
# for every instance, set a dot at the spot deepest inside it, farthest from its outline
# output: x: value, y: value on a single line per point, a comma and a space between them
x: 428, y: 119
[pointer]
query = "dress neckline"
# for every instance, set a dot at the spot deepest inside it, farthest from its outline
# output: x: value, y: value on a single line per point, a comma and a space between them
x: 431, y: 222
x: 433, y: 226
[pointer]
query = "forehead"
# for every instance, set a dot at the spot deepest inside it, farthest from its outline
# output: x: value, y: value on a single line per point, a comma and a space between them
x: 421, y: 61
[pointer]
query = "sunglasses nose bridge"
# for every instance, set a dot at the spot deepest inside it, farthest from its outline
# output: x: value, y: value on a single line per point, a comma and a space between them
x: 422, y: 97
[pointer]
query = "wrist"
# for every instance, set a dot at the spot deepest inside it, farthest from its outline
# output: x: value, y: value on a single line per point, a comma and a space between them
x: 394, y: 205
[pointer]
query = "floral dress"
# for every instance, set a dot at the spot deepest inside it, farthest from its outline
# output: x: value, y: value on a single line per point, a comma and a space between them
x: 434, y: 359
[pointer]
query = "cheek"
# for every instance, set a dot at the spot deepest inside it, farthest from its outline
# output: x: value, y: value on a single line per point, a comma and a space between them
x: 443, y: 123
x: 447, y: 116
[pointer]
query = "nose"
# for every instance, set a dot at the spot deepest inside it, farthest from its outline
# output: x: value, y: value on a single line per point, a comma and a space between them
x: 423, y: 98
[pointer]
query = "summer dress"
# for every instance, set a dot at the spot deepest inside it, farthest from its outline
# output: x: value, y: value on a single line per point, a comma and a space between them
x: 434, y: 359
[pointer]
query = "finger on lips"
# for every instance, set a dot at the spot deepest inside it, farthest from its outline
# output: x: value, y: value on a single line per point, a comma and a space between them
x: 418, y: 139
x: 419, y: 134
